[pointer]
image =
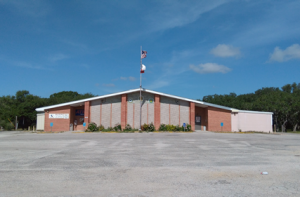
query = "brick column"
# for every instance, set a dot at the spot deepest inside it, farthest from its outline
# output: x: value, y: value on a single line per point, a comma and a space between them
x: 192, y: 115
x: 156, y: 111
x: 87, y: 114
x: 123, y: 110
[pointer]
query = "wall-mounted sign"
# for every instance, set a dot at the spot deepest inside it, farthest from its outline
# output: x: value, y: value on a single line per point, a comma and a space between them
x: 150, y: 100
x: 59, y: 116
x: 198, y: 119
x: 79, y: 112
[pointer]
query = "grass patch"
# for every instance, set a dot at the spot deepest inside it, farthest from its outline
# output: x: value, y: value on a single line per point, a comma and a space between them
x: 244, y: 132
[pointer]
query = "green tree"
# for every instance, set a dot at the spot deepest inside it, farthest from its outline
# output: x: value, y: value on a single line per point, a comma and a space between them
x: 67, y: 96
x: 284, y: 103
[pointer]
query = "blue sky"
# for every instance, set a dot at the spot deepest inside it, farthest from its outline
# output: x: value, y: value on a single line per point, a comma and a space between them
x: 195, y: 48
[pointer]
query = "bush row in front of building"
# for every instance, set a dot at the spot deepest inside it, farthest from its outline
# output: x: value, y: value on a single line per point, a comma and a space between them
x: 92, y: 127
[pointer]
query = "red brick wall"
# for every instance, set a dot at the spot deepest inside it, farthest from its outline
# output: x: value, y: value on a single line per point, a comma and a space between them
x: 87, y: 114
x: 199, y: 111
x: 216, y: 116
x: 58, y: 124
x: 123, y: 110
x: 156, y: 111
x: 192, y: 115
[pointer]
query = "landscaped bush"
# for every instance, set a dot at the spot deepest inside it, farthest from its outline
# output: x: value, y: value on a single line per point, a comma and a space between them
x: 151, y: 127
x: 170, y: 127
x: 148, y: 127
x: 178, y: 128
x: 162, y: 127
x: 145, y: 127
x: 92, y: 127
x: 100, y: 128
x: 127, y: 128
x: 109, y: 129
x: 188, y: 127
x: 117, y: 127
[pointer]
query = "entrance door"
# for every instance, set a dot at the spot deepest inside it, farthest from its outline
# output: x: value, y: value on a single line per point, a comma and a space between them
x: 197, y: 122
x: 78, y: 123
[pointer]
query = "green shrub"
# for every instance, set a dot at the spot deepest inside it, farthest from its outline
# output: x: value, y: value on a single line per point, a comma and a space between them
x: 92, y: 127
x: 151, y: 127
x: 162, y: 127
x: 145, y: 127
x: 188, y: 127
x: 127, y: 128
x: 109, y: 129
x: 100, y: 128
x: 178, y: 128
x: 170, y: 127
x: 117, y: 127
x: 6, y: 125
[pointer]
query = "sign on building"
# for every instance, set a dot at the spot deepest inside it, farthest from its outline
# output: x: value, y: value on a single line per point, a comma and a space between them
x: 79, y: 112
x: 59, y: 116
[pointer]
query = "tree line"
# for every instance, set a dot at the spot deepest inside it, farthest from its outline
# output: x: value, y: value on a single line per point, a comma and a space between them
x: 23, y: 105
x: 284, y: 102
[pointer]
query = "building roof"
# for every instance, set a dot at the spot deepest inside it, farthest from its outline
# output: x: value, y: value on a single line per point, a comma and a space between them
x: 197, y: 103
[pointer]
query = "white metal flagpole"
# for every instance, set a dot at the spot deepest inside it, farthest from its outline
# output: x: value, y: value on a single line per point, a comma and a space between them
x: 141, y: 91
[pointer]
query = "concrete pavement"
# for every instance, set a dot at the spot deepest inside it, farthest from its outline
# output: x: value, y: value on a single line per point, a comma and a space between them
x: 149, y: 164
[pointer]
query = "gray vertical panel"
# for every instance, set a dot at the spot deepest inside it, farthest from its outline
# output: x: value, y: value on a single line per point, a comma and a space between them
x: 137, y: 116
x: 164, y: 110
x: 116, y: 114
x: 135, y: 100
x: 151, y: 113
x: 144, y: 113
x: 111, y: 104
x: 95, y: 112
x: 130, y: 114
x: 105, y: 115
x: 184, y: 112
x: 174, y: 114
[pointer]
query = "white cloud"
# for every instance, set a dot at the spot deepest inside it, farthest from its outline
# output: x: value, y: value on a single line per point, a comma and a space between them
x: 170, y: 13
x: 109, y: 85
x: 158, y: 84
x: 58, y: 57
x: 131, y: 78
x: 210, y: 68
x: 223, y: 50
x: 292, y: 52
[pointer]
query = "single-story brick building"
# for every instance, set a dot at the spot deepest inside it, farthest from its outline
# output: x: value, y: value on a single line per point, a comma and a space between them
x: 158, y: 108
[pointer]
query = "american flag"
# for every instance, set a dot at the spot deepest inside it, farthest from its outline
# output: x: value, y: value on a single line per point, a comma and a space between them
x: 144, y: 54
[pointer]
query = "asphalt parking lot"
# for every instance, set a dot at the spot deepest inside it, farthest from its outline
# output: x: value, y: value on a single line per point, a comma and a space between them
x: 149, y: 164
